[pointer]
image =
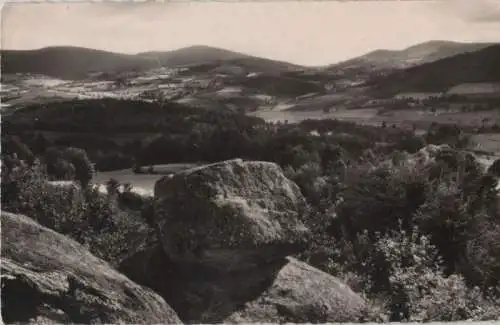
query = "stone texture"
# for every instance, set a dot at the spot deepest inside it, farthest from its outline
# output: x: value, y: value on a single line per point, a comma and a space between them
x: 225, y: 232
x: 427, y: 155
x: 301, y: 293
x: 284, y: 290
x: 49, y: 278
x: 224, y: 213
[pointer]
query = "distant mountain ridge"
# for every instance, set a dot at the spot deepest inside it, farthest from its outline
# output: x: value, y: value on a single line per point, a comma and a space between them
x: 77, y: 62
x: 414, y: 55
x: 69, y: 62
x: 482, y: 66
x: 192, y: 54
x: 430, y: 66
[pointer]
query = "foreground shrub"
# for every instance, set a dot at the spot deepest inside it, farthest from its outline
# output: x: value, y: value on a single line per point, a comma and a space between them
x: 419, y: 289
x: 88, y: 216
x: 308, y: 178
x: 376, y: 200
x: 481, y: 264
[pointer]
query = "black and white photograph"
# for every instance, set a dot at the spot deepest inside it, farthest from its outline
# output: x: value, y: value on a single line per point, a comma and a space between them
x: 250, y: 162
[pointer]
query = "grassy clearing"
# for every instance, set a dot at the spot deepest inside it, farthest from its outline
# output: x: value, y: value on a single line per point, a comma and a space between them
x: 461, y: 118
x: 361, y: 115
x: 143, y: 183
x: 166, y: 169
x: 370, y: 116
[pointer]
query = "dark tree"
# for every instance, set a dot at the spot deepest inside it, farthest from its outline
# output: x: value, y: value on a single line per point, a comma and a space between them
x: 84, y: 169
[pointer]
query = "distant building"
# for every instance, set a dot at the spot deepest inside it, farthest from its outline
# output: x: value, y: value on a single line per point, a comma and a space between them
x: 417, y: 96
x: 479, y: 90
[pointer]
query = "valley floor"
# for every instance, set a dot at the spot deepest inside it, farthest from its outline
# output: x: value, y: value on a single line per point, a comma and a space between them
x: 371, y: 116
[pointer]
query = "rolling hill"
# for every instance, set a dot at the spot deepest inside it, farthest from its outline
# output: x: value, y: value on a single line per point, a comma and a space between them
x: 415, y: 55
x: 76, y: 63
x: 201, y: 55
x: 479, y: 66
x: 192, y: 55
x: 69, y: 62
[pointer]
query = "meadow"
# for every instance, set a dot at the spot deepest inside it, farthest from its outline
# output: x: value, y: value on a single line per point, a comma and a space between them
x: 144, y: 182
x: 374, y: 116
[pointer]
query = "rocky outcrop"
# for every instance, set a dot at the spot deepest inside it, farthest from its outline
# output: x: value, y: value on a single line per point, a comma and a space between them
x: 229, y: 213
x: 225, y: 233
x: 49, y: 278
x: 427, y: 154
x: 301, y: 293
x: 284, y: 290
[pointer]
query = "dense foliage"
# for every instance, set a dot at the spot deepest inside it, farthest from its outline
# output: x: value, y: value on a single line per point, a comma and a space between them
x: 411, y: 233
x: 416, y: 231
x: 118, y: 134
x: 111, y: 226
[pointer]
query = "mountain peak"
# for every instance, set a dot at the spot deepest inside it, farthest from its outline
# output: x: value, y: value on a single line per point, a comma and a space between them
x: 421, y: 53
x: 69, y: 62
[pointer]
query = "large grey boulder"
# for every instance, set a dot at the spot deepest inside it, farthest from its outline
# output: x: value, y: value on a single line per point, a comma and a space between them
x: 285, y: 290
x: 301, y: 293
x: 230, y: 213
x: 225, y: 231
x: 49, y: 278
x: 426, y: 155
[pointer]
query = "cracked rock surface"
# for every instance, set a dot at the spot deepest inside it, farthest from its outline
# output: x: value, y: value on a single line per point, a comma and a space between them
x: 49, y: 278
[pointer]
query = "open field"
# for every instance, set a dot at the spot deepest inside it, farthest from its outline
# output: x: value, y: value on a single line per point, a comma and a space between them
x: 141, y: 183
x: 373, y: 116
x: 167, y: 169
x: 359, y: 115
x: 475, y: 119
x: 489, y: 142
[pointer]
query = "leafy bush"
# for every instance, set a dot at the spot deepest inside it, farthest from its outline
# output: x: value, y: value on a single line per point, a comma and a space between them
x: 418, y: 237
x: 84, y: 170
x: 376, y: 200
x: 68, y: 163
x: 447, y: 134
x: 420, y: 291
x: 113, y: 161
x: 13, y: 146
x: 368, y: 237
x: 411, y: 143
x: 86, y: 215
x: 481, y: 263
x: 402, y: 275
x: 308, y: 178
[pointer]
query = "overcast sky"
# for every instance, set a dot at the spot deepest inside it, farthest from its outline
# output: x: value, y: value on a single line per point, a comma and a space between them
x: 309, y: 33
